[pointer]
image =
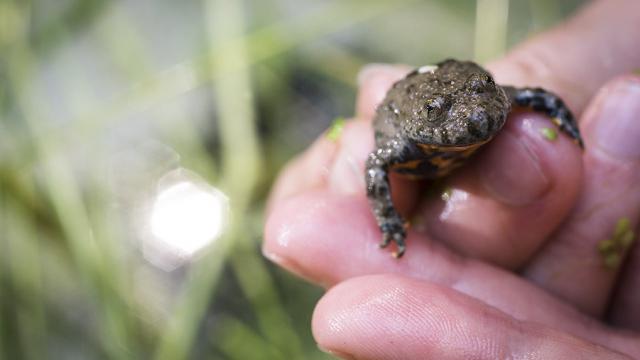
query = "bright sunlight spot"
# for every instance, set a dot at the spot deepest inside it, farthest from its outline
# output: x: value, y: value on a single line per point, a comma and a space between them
x: 185, y: 218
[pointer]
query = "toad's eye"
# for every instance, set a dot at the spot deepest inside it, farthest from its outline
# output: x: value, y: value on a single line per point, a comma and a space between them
x: 431, y: 106
x: 434, y: 106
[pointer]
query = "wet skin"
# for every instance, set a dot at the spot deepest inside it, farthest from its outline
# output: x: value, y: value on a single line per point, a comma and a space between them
x: 431, y: 121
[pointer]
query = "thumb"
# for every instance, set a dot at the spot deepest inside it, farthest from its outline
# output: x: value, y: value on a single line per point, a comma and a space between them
x: 391, y: 317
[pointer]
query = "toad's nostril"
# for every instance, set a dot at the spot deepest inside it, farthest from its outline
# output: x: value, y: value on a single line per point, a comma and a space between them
x: 490, y: 81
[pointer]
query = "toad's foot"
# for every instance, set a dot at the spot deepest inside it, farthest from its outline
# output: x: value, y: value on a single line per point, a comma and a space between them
x: 379, y: 192
x: 394, y: 230
x: 550, y: 104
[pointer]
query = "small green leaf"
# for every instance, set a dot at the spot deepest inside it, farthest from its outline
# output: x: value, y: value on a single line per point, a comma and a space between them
x: 627, y: 239
x: 336, y: 128
x: 622, y: 226
x: 612, y: 260
x: 606, y: 246
x: 549, y: 133
x: 636, y: 71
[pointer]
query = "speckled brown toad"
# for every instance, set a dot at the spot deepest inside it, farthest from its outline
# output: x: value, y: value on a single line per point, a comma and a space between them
x: 431, y: 121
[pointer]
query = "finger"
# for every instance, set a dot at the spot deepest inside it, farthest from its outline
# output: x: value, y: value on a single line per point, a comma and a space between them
x: 307, y: 171
x: 346, y: 175
x: 503, y: 206
x: 328, y: 238
x: 570, y: 265
x: 374, y: 80
x: 391, y: 317
x: 623, y: 311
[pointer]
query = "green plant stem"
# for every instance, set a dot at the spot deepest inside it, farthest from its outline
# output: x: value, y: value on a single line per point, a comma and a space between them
x: 26, y: 274
x: 240, y: 167
x: 262, y: 44
x: 234, y: 338
x: 491, y: 29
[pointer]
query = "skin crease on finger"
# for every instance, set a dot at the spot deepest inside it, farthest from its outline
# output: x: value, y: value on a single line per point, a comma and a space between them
x: 391, y: 317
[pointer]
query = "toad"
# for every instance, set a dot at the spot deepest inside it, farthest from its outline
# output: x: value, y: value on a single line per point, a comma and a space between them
x: 433, y: 120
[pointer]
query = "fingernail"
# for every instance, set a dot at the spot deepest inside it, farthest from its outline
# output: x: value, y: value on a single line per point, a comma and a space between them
x: 617, y: 119
x: 512, y: 172
x: 291, y: 265
x: 287, y: 232
x: 272, y: 256
x: 376, y: 69
x: 340, y: 354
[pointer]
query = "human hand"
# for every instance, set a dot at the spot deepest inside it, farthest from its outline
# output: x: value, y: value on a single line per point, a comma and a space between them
x: 507, y: 265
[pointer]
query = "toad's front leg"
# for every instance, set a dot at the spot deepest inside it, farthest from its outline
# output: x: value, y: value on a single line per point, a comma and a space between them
x: 379, y: 192
x: 548, y: 103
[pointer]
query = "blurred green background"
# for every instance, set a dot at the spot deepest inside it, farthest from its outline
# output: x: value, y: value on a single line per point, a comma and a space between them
x: 138, y: 143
